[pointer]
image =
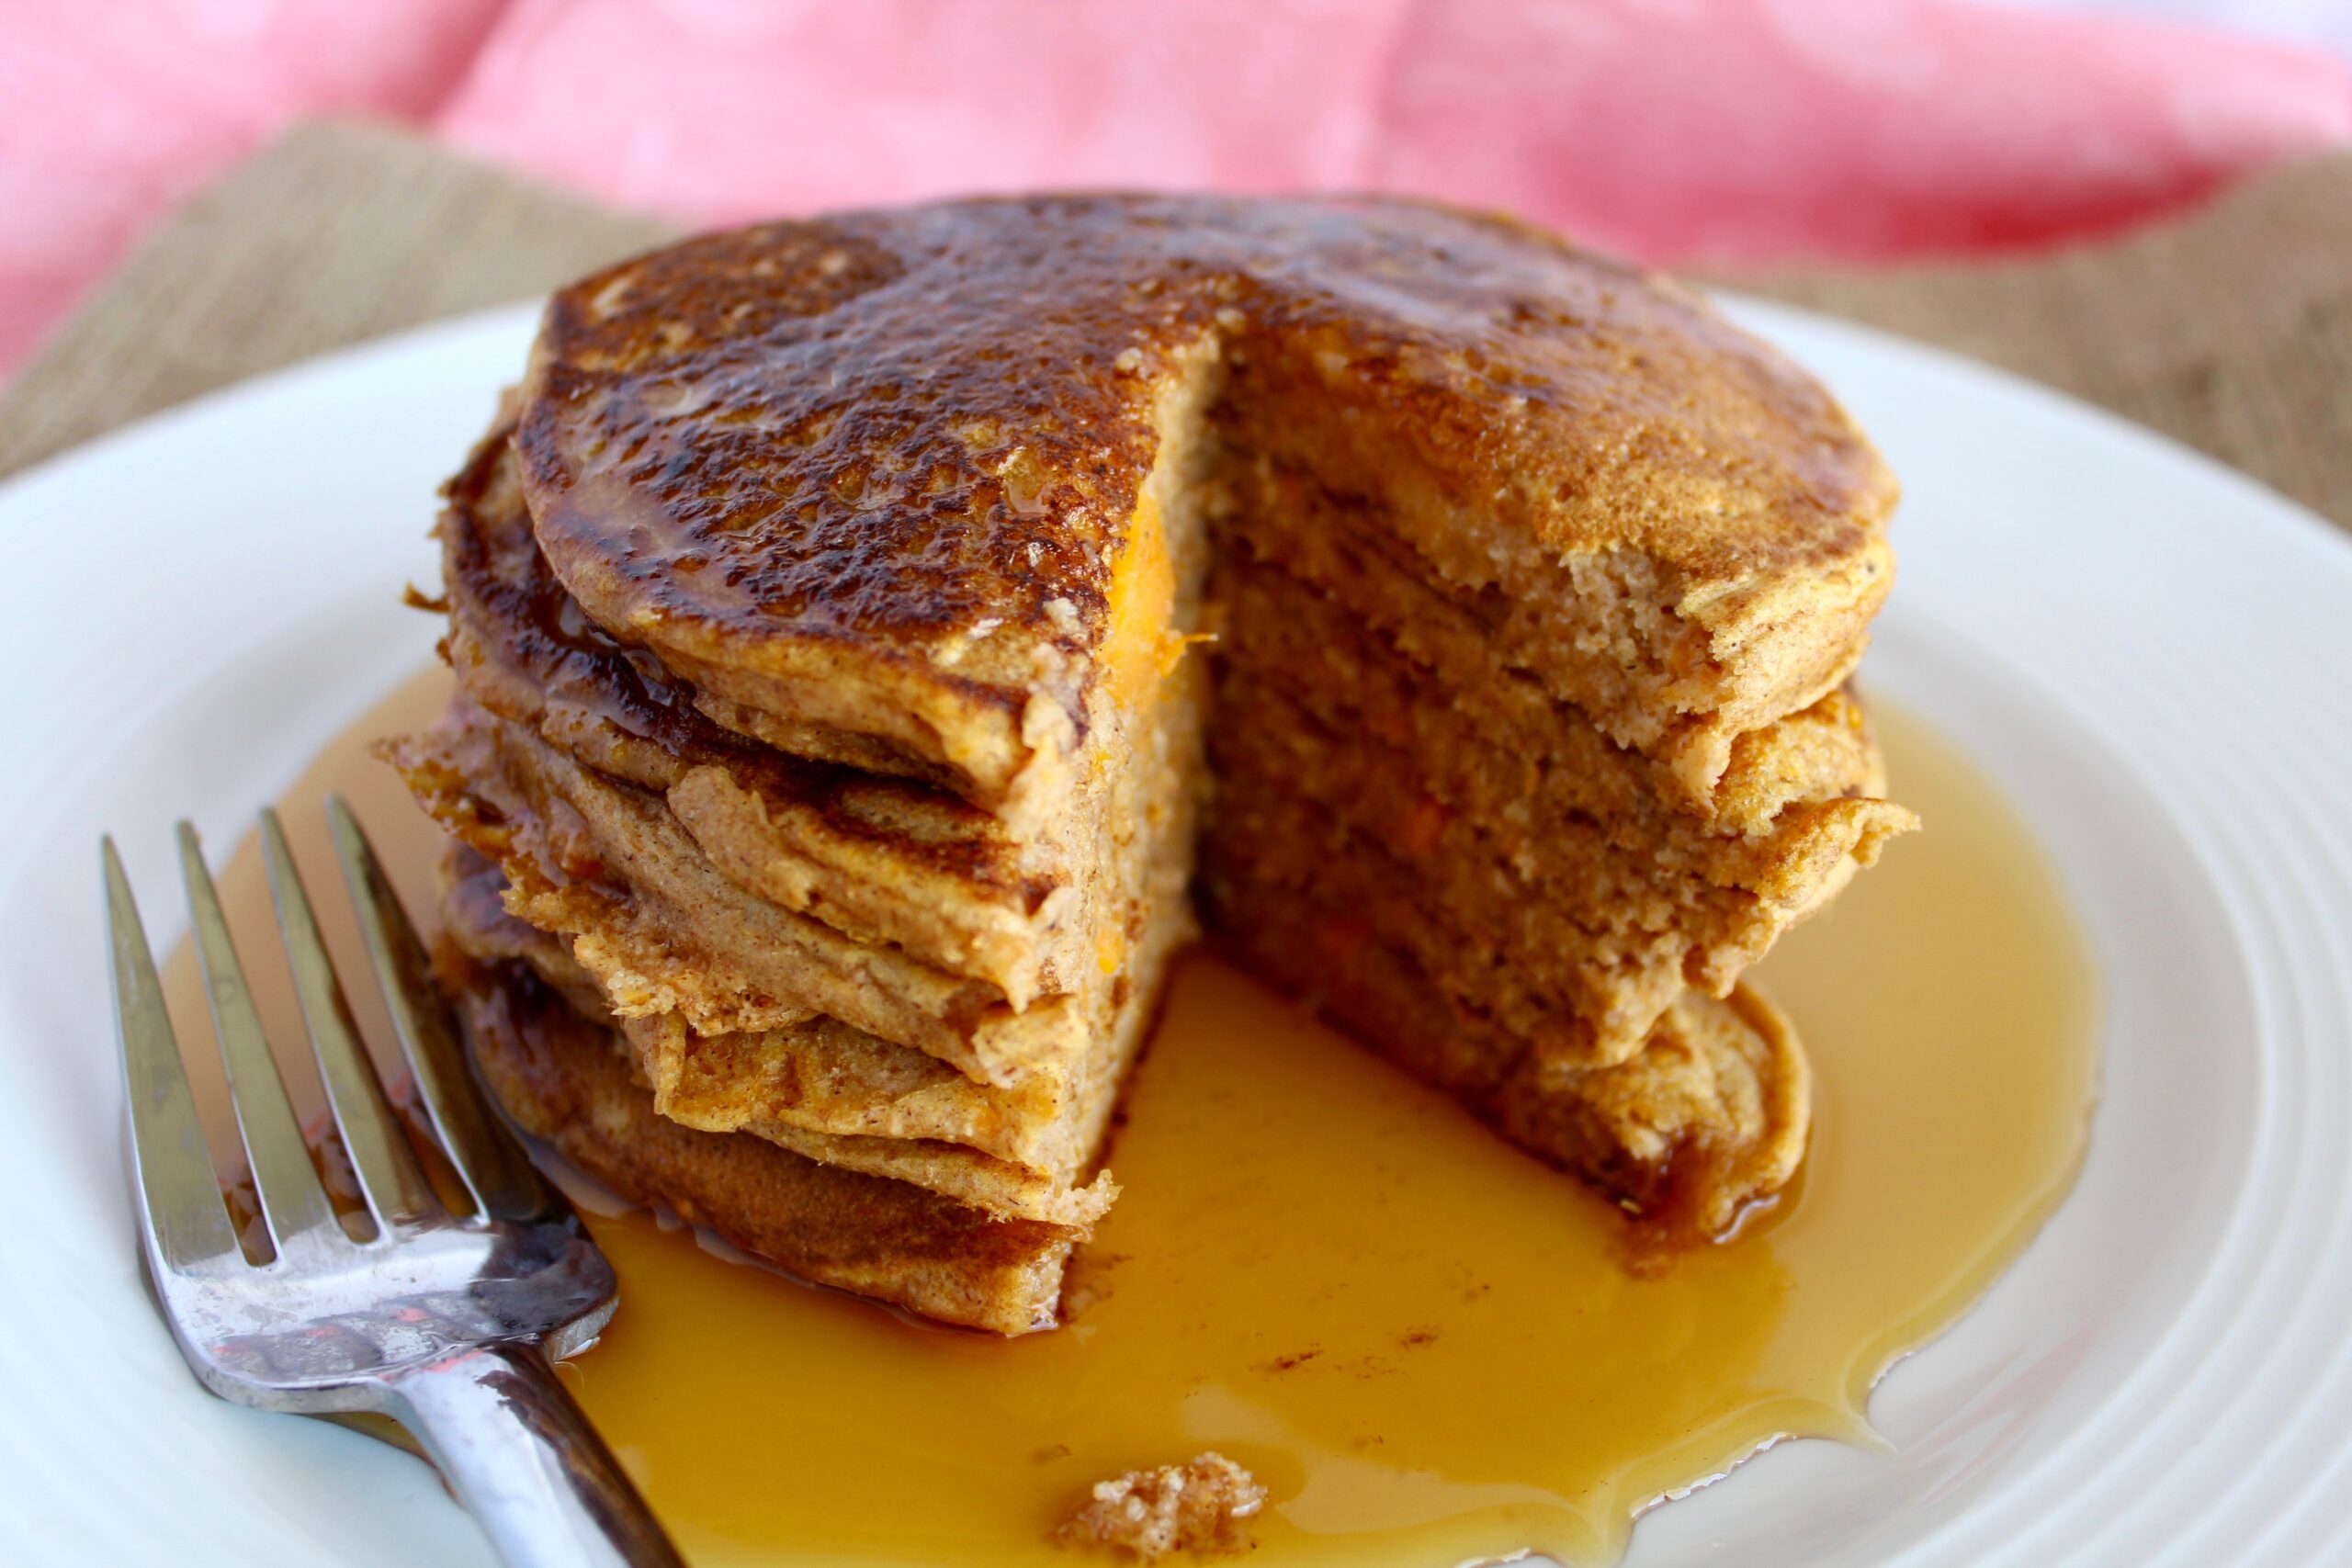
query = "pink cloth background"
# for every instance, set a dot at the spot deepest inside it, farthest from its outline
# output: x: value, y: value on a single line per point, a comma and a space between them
x: 1681, y: 131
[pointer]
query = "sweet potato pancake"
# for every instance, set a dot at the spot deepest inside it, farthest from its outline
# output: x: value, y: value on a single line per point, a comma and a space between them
x: 564, y: 1079
x: 865, y: 625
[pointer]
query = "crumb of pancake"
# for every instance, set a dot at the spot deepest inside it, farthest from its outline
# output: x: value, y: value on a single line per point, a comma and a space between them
x: 1147, y: 1514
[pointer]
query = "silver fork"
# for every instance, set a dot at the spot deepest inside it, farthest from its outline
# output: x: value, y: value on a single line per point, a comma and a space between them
x: 444, y: 1323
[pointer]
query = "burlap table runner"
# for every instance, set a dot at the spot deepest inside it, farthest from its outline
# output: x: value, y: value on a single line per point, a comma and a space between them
x: 2230, y: 329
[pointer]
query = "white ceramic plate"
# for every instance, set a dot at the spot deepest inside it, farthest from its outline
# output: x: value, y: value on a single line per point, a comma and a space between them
x: 2150, y: 652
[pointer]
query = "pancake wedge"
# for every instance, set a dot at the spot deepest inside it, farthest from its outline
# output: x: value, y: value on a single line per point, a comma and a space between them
x: 1708, y: 1116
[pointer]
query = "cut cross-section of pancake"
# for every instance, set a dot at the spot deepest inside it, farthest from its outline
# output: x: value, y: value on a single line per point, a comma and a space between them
x: 1707, y: 1116
x: 1481, y: 821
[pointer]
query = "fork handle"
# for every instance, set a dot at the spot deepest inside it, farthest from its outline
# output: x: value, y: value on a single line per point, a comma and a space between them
x: 522, y: 1457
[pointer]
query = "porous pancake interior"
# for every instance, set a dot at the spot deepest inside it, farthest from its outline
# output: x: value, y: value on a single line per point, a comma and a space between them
x: 1480, y: 818
x: 1347, y: 450
x: 1707, y: 1115
x: 1414, y: 833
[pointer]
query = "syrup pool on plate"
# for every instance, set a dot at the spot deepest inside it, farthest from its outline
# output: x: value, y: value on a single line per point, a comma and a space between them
x: 1422, y: 1343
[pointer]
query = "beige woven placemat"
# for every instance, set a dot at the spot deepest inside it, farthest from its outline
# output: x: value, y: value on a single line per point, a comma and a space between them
x: 2231, y: 329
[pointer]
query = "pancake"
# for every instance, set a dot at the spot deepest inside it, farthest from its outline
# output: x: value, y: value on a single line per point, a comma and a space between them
x: 834, y: 1093
x: 604, y: 864
x: 854, y: 617
x: 1546, y: 842
x: 882, y: 858
x: 878, y: 475
x: 1370, y: 641
x: 566, y: 1081
x: 1708, y: 1116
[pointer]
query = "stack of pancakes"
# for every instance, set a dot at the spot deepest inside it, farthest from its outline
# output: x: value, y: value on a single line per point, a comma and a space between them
x: 834, y: 757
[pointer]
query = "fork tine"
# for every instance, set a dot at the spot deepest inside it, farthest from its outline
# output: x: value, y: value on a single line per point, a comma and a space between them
x: 386, y: 1168
x: 502, y: 1178
x: 292, y: 1201
x: 179, y: 1199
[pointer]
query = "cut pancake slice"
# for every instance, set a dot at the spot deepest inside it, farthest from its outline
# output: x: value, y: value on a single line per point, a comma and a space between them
x: 1707, y: 1118
x: 1494, y: 831
x: 566, y: 1080
x: 883, y: 859
x: 1526, y: 961
x: 1438, y: 691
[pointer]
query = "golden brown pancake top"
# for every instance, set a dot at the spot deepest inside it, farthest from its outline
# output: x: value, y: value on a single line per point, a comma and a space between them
x: 922, y: 430
x: 500, y: 584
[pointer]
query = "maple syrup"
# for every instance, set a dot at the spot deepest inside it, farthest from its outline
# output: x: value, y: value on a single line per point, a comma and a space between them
x: 1423, y: 1343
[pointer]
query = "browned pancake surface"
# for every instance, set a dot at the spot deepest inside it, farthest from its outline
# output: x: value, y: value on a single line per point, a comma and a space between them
x: 905, y: 861
x: 908, y: 443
